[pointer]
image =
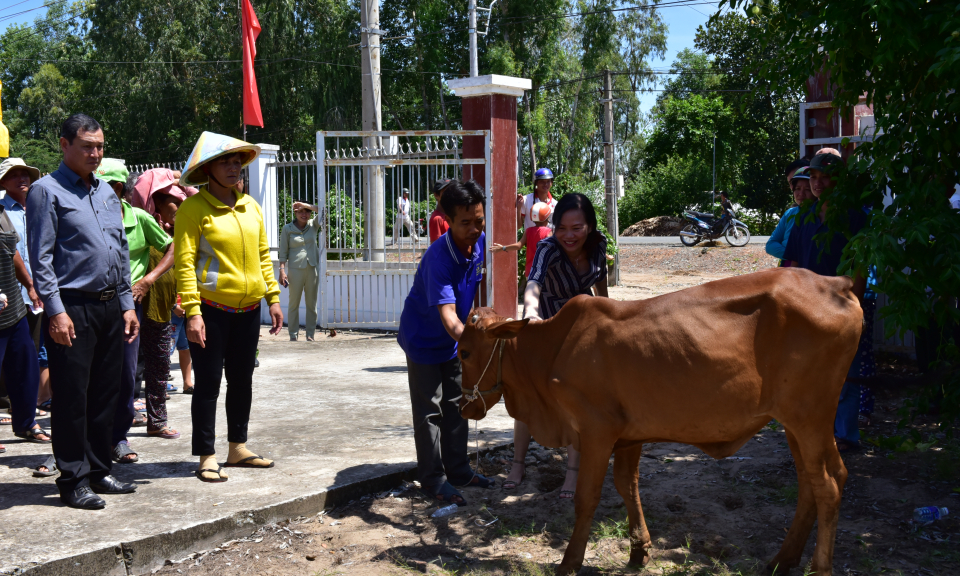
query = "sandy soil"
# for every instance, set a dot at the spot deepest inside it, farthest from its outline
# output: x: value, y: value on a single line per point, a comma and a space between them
x: 706, y: 517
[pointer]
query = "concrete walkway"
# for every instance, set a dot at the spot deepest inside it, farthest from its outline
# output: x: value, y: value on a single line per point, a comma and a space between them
x: 334, y: 414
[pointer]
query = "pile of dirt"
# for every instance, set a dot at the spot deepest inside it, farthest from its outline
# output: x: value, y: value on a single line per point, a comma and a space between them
x: 656, y: 226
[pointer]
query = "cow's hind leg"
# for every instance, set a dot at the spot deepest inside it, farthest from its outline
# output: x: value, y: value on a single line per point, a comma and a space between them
x: 792, y: 549
x: 826, y: 476
x: 594, y: 460
x: 626, y: 474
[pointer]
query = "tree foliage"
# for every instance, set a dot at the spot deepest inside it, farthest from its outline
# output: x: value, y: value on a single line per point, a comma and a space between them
x: 903, y: 58
x: 156, y: 74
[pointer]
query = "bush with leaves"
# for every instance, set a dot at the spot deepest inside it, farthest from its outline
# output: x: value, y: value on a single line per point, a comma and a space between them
x: 903, y: 58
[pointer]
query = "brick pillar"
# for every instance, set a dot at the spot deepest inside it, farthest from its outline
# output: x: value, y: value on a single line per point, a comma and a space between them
x: 490, y: 103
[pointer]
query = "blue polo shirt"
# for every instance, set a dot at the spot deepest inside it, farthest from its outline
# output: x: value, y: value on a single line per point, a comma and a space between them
x: 822, y: 257
x: 445, y: 276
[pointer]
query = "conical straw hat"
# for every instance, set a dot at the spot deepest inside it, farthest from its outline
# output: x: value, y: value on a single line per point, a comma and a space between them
x: 209, y: 147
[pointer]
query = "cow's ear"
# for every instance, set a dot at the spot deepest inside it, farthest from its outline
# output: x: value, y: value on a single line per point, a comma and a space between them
x: 506, y: 329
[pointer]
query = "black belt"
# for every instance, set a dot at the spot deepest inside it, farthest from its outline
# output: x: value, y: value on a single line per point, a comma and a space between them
x: 103, y: 296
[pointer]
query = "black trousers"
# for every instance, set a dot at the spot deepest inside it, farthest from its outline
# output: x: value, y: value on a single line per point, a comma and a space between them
x: 439, y: 431
x: 85, y: 379
x: 231, y: 348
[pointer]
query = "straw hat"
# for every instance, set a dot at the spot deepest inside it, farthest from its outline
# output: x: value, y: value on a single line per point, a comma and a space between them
x: 11, y: 163
x: 209, y: 147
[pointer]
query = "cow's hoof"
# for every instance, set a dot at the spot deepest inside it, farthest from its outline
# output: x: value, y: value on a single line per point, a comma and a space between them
x: 781, y: 567
x: 639, y: 558
x: 565, y: 570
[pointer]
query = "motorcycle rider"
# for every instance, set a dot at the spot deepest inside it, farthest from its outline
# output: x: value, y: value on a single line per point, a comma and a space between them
x: 726, y: 216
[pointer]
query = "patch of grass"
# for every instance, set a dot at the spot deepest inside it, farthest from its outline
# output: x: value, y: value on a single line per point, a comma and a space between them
x: 789, y: 493
x: 612, y: 528
x: 773, y: 425
x: 513, y: 530
x: 525, y: 568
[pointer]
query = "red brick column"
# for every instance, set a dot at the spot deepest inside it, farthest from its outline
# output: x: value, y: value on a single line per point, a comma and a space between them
x: 490, y: 103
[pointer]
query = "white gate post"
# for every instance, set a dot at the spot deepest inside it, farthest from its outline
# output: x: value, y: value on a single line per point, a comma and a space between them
x: 263, y: 189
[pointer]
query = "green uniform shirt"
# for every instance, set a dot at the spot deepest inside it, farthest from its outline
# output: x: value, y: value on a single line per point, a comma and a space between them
x: 143, y: 231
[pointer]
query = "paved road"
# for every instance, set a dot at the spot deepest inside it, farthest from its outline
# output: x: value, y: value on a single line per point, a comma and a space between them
x: 675, y: 240
x: 331, y: 413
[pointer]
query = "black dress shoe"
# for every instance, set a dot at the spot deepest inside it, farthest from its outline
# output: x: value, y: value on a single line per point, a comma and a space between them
x: 110, y: 485
x: 83, y: 499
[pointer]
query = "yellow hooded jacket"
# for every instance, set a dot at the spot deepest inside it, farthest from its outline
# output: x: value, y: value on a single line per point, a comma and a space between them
x: 222, y: 254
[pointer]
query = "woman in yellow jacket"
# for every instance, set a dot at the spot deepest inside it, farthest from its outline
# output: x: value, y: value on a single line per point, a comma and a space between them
x: 223, y: 272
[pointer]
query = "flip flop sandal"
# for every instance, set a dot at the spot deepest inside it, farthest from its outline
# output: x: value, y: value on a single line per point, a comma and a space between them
x: 245, y: 463
x: 33, y: 435
x: 50, y: 465
x: 199, y: 473
x: 188, y: 389
x: 567, y: 494
x: 2, y: 448
x: 6, y: 421
x: 164, y: 433
x: 171, y: 388
x: 845, y: 447
x: 446, y: 494
x: 41, y: 413
x: 45, y: 405
x: 510, y: 484
x: 120, y: 453
x: 139, y: 420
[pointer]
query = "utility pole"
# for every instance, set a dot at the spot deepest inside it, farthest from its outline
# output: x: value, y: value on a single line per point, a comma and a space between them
x: 373, y: 200
x: 472, y: 29
x: 714, y: 191
x: 610, y: 171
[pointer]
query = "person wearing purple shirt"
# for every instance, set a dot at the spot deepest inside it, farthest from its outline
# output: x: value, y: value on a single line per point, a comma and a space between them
x: 430, y: 326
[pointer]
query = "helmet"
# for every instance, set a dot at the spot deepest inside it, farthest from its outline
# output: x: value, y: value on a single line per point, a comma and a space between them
x: 543, y: 174
x: 540, y: 212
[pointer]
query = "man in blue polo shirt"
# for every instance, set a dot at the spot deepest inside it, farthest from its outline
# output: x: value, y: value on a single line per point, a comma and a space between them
x: 430, y: 326
x: 822, y: 255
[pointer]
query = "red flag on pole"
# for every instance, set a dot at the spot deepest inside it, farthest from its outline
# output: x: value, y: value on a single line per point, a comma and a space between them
x: 251, y: 96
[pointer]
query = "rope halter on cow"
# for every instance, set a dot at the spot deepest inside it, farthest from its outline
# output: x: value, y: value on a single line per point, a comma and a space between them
x: 472, y: 394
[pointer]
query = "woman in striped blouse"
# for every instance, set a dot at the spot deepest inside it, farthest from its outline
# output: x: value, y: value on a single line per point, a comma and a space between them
x: 569, y: 263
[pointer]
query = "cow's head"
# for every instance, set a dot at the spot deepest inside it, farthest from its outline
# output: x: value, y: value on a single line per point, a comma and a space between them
x: 481, y: 354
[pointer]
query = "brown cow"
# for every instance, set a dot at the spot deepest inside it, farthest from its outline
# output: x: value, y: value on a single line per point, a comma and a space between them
x: 707, y: 366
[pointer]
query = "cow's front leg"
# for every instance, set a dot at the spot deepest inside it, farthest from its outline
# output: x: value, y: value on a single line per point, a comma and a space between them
x: 626, y: 474
x: 594, y: 459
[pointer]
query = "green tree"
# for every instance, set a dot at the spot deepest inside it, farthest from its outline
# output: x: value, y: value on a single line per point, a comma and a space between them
x: 903, y: 58
x: 766, y: 131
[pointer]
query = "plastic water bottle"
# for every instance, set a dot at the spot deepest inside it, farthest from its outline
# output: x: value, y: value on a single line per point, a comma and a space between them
x: 445, y: 511
x: 929, y: 514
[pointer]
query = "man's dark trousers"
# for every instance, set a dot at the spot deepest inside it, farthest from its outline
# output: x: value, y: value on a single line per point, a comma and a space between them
x: 439, y: 431
x: 85, y: 380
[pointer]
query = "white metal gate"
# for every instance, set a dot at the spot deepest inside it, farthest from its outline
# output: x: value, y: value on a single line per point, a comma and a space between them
x: 369, y: 256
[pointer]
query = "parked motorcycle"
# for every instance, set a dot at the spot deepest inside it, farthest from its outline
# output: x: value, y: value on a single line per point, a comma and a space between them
x: 705, y: 226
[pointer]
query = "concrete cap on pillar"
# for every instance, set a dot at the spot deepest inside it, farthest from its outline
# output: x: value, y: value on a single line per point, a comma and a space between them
x: 489, y: 84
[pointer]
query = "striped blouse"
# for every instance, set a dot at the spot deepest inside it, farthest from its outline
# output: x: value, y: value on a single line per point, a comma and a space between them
x: 558, y: 278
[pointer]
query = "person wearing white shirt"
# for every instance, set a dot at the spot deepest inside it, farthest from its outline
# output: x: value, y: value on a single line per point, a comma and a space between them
x: 542, y: 182
x: 403, y: 218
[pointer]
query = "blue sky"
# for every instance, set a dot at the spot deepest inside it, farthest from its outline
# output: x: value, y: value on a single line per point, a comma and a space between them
x: 682, y: 23
x: 681, y: 20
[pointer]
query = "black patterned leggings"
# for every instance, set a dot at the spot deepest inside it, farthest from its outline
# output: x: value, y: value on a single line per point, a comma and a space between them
x: 155, y: 343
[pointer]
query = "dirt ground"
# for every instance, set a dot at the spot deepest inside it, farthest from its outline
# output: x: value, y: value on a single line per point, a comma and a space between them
x: 706, y: 517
